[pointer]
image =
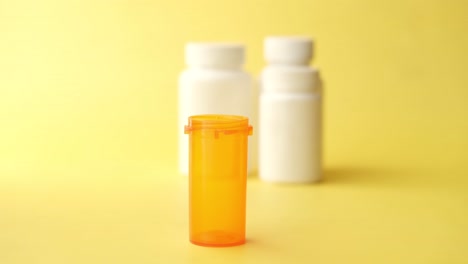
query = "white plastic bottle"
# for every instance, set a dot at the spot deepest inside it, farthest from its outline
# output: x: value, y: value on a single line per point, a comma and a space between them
x: 290, y: 113
x: 213, y: 83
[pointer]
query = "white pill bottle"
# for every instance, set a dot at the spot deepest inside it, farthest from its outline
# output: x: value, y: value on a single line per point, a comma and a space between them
x: 213, y: 83
x: 290, y: 113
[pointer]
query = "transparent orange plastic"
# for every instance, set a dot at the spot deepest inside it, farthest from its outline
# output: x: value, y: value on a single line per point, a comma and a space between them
x: 217, y: 175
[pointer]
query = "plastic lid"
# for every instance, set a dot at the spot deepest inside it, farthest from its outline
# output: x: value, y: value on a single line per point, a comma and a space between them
x: 291, y: 79
x: 221, y: 123
x: 288, y: 50
x: 214, y: 54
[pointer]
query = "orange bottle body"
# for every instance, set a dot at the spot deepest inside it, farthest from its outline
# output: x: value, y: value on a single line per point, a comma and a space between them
x: 217, y: 175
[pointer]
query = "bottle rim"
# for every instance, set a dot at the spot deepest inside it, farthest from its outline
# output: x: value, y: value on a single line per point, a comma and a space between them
x: 218, y: 122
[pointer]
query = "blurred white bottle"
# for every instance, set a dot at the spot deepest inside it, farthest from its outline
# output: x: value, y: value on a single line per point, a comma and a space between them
x: 213, y: 83
x: 290, y: 112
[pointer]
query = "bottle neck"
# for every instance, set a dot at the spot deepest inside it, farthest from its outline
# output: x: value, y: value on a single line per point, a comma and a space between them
x: 231, y: 67
x: 289, y: 61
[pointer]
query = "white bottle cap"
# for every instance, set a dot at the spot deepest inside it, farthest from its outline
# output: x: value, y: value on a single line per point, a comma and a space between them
x: 288, y: 50
x: 291, y: 80
x: 214, y: 54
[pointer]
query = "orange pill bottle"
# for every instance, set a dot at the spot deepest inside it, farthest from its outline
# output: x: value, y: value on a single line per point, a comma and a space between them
x: 217, y: 175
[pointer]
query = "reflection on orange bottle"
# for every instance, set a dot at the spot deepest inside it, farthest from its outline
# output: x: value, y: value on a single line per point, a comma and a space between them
x: 217, y: 175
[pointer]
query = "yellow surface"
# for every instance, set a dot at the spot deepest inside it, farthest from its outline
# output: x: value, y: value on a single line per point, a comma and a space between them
x: 88, y: 132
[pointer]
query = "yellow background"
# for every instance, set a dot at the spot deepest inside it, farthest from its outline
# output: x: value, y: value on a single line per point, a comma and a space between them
x: 88, y: 132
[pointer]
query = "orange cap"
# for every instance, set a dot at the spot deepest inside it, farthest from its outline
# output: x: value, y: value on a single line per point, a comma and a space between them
x: 217, y: 173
